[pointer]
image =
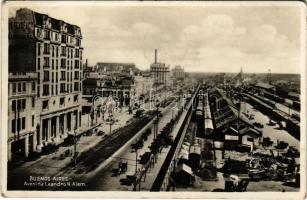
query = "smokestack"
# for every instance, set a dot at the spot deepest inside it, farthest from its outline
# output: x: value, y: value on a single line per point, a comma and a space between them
x: 86, y: 63
x: 156, y: 56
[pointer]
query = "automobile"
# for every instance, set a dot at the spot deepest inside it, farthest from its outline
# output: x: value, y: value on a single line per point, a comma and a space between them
x: 258, y: 125
x: 88, y: 133
x: 100, y: 133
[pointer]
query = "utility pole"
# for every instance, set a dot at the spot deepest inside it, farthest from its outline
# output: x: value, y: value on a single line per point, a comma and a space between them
x: 75, y: 147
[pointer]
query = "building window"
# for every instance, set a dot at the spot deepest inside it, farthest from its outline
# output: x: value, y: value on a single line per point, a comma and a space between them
x: 76, y: 75
x: 77, y: 53
x: 46, y: 48
x: 23, y: 123
x: 57, y: 51
x: 76, y: 98
x: 62, y: 101
x: 38, y: 77
x: 33, y: 102
x: 45, y: 90
x: 63, y: 51
x: 33, y: 86
x: 52, y: 64
x: 33, y: 120
x: 46, y: 62
x: 39, y: 49
x: 23, y: 87
x: 56, y: 64
x: 51, y: 89
x: 47, y: 34
x: 63, y: 75
x: 19, y: 87
x: 63, y: 63
x: 45, y: 104
x: 62, y: 87
x: 52, y: 77
x: 64, y: 38
x: 14, y: 88
x: 13, y: 126
x: 56, y: 89
x: 14, y: 105
x: 38, y: 63
x: 23, y: 104
x: 46, y: 76
x: 76, y: 64
x: 38, y: 91
x: 76, y: 86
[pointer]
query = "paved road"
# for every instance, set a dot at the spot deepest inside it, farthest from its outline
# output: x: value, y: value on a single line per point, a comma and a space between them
x: 105, y: 180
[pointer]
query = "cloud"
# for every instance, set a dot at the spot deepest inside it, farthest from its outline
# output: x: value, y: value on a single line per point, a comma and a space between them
x: 218, y: 39
x: 219, y: 42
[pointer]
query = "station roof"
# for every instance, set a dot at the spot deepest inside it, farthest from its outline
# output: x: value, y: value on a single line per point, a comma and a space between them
x: 264, y: 85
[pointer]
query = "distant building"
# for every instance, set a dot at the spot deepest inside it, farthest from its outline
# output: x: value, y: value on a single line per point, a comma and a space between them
x: 160, y: 73
x: 265, y: 86
x: 120, y: 87
x: 143, y: 83
x: 178, y: 73
x: 22, y: 119
x: 116, y: 68
x: 51, y: 48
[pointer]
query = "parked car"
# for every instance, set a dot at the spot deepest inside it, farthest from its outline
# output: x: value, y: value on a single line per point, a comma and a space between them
x: 100, y: 133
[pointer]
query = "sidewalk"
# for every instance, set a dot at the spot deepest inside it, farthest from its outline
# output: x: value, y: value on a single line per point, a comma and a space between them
x: 86, y: 142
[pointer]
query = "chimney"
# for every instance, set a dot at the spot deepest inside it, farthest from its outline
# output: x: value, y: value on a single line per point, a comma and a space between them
x: 86, y: 63
x: 156, y: 56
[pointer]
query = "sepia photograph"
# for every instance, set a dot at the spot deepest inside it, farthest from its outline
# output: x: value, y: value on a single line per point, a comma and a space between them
x: 188, y: 99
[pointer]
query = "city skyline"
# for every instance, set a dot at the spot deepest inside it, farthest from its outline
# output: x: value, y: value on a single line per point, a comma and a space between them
x: 217, y: 40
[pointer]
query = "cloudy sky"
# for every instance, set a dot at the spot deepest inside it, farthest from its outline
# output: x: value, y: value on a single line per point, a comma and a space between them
x: 208, y: 39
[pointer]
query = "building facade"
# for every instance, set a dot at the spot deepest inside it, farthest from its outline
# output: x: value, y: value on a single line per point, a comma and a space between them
x: 178, y: 73
x: 52, y: 49
x: 160, y: 72
x: 143, y: 84
x: 116, y: 68
x: 22, y: 117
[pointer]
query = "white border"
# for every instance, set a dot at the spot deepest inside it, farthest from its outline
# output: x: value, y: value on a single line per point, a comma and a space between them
x: 156, y: 195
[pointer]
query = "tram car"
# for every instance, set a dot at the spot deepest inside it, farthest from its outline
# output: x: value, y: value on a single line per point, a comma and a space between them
x: 194, y: 156
x: 274, y: 97
x: 296, y: 105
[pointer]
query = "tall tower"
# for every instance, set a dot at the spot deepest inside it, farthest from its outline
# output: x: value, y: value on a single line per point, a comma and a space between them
x: 269, y: 76
x: 156, y: 56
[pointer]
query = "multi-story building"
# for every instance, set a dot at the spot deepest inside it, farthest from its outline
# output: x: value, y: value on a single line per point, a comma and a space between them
x: 22, y: 118
x: 143, y: 84
x: 160, y: 73
x: 116, y: 68
x: 178, y: 73
x: 51, y: 48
